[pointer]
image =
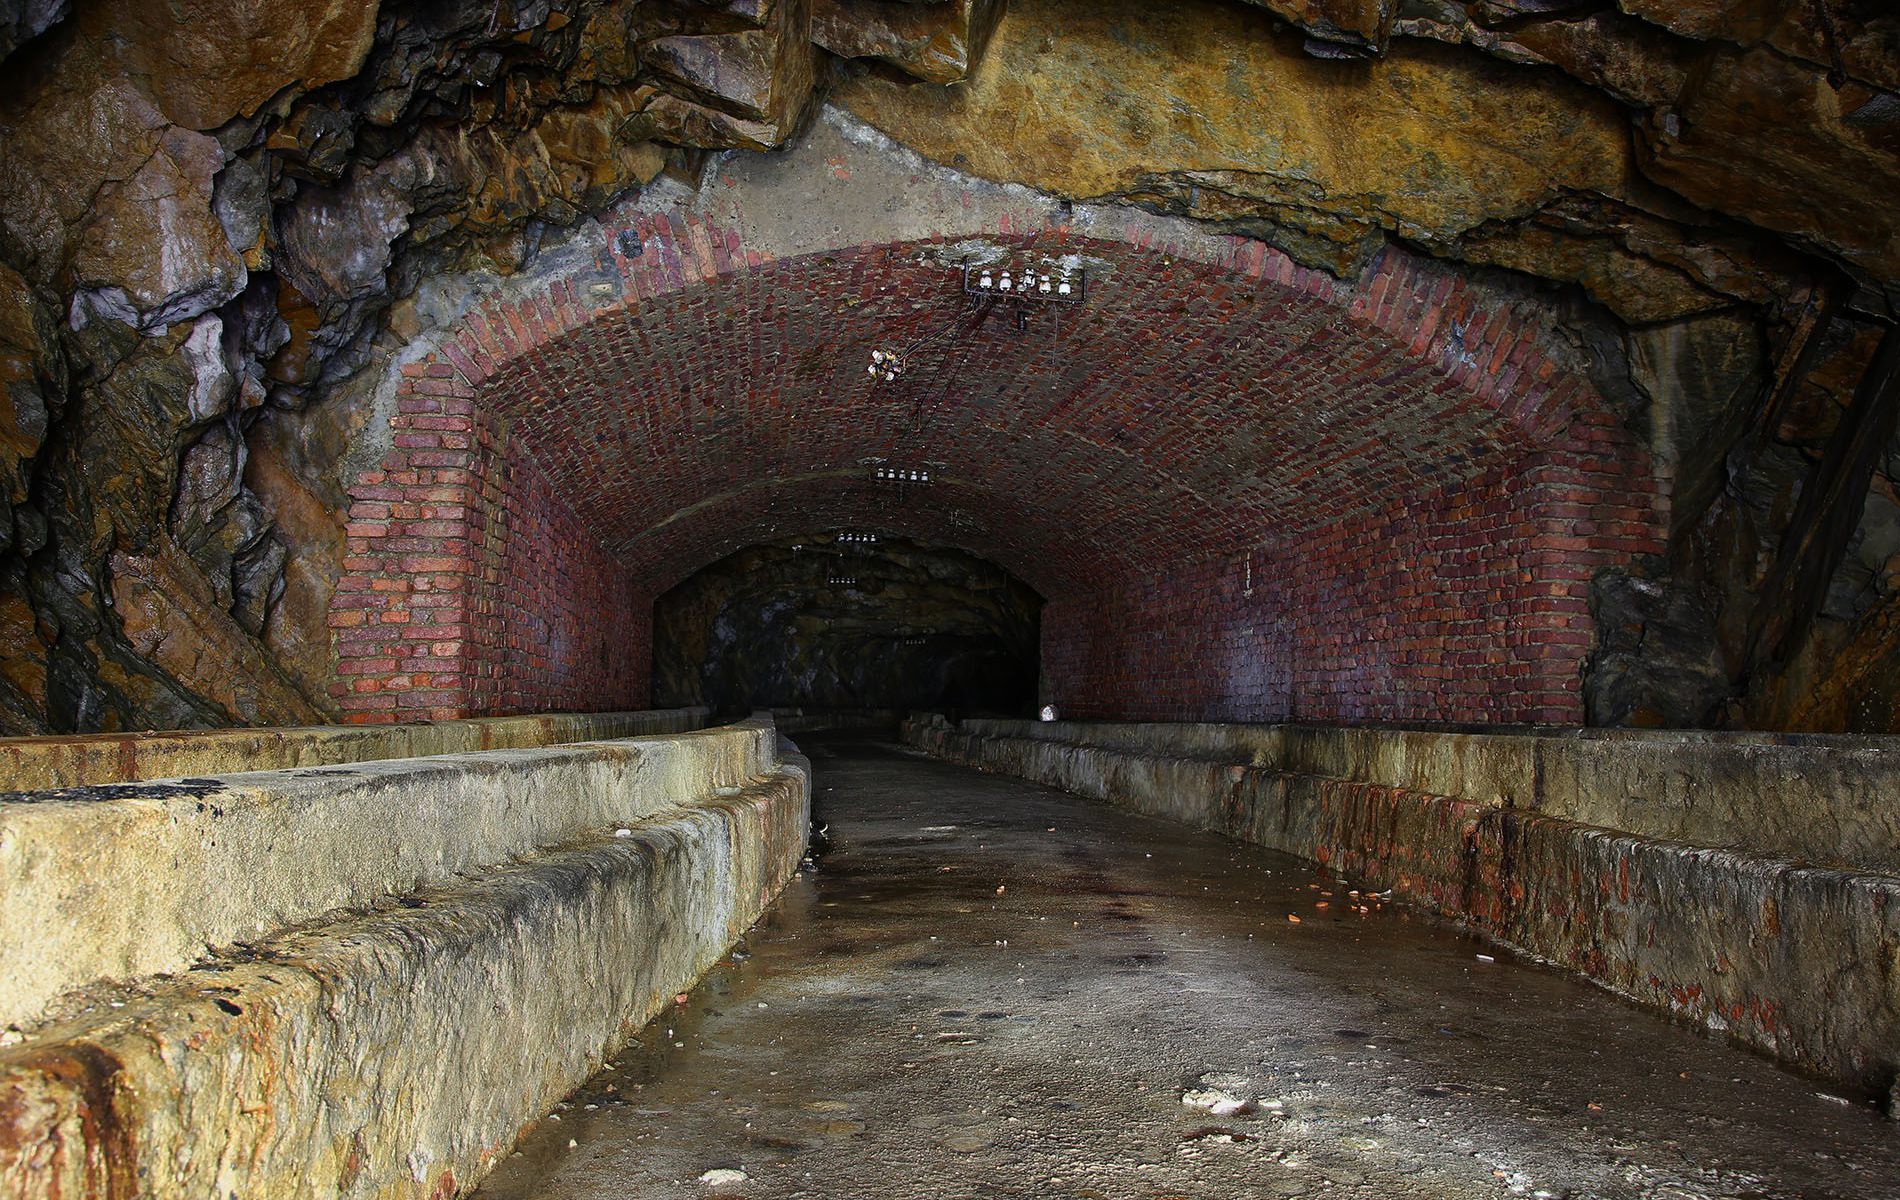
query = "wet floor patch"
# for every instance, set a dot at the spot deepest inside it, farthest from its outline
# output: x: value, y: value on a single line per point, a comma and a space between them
x: 988, y: 989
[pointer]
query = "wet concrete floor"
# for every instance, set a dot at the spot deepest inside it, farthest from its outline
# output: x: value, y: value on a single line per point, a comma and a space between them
x: 991, y: 989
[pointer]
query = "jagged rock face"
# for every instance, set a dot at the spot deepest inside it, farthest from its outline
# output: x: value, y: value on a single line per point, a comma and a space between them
x: 1218, y: 117
x: 820, y: 623
x: 216, y: 222
x: 208, y: 217
x: 937, y: 43
x: 1205, y: 110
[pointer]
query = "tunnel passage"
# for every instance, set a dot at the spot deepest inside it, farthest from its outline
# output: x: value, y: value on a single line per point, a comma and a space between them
x: 848, y: 620
x: 1246, y: 490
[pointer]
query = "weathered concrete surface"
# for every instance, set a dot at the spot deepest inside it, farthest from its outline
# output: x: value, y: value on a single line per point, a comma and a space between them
x: 396, y: 1053
x: 1825, y: 800
x: 903, y: 1031
x: 31, y: 764
x: 1800, y: 962
x: 117, y: 882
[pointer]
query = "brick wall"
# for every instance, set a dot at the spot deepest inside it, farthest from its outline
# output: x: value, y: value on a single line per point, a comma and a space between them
x: 469, y: 586
x: 1465, y: 605
x: 557, y: 622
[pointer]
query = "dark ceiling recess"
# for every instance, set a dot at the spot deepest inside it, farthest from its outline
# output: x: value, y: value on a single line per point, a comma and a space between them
x: 848, y: 620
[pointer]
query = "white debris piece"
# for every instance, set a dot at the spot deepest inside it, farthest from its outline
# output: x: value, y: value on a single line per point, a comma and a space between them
x: 723, y: 1177
x: 1220, y: 1093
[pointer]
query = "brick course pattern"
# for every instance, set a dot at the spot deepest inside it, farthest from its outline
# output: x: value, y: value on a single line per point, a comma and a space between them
x: 469, y: 586
x: 1248, y: 490
x: 1464, y: 605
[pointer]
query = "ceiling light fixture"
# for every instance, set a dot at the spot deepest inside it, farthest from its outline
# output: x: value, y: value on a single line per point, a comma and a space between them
x: 1026, y: 282
x: 1024, y: 286
x: 886, y: 365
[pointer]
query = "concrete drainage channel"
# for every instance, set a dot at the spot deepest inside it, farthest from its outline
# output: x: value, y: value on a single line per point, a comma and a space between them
x: 1749, y: 884
x: 413, y: 960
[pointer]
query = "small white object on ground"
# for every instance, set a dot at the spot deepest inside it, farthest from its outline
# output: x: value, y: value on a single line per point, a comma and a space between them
x: 623, y: 833
x: 723, y: 1177
x: 1218, y: 1101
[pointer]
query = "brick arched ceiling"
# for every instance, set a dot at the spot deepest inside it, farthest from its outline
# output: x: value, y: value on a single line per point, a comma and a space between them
x: 1185, y: 410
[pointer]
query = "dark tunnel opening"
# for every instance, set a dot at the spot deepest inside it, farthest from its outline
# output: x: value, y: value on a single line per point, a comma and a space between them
x: 849, y: 621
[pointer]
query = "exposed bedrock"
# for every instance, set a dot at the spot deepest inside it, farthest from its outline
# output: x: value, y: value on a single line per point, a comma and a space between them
x: 220, y: 228
x: 833, y: 624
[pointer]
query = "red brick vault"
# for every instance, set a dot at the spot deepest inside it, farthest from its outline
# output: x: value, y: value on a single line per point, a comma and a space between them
x: 1247, y: 490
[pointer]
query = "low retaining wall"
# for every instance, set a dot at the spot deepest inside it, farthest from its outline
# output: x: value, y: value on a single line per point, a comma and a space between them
x: 397, y: 1048
x: 30, y: 764
x: 1826, y: 800
x: 1800, y: 961
x: 132, y: 879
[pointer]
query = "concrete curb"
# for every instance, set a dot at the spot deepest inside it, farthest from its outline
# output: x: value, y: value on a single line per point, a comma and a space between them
x: 29, y: 764
x: 1823, y: 798
x: 134, y: 879
x: 397, y: 1053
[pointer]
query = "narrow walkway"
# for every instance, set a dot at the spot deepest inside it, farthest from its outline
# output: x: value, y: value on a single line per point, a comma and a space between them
x: 990, y: 989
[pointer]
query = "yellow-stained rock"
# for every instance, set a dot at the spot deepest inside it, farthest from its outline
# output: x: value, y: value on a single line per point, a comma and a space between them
x: 938, y: 43
x: 1202, y: 106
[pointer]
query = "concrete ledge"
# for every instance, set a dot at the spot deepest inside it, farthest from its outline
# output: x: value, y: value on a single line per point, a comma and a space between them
x: 134, y: 879
x: 395, y: 1054
x: 30, y: 764
x: 1797, y: 961
x: 1825, y: 800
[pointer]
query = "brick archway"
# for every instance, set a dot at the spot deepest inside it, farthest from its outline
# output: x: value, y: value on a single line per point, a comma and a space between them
x: 1248, y: 490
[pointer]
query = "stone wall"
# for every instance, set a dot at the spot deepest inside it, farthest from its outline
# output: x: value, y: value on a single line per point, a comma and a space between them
x: 1502, y: 833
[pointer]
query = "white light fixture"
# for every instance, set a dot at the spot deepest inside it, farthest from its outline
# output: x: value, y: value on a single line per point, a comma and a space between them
x: 1027, y: 281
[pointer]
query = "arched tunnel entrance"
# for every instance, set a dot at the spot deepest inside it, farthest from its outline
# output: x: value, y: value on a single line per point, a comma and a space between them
x: 848, y: 620
x: 1246, y: 490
